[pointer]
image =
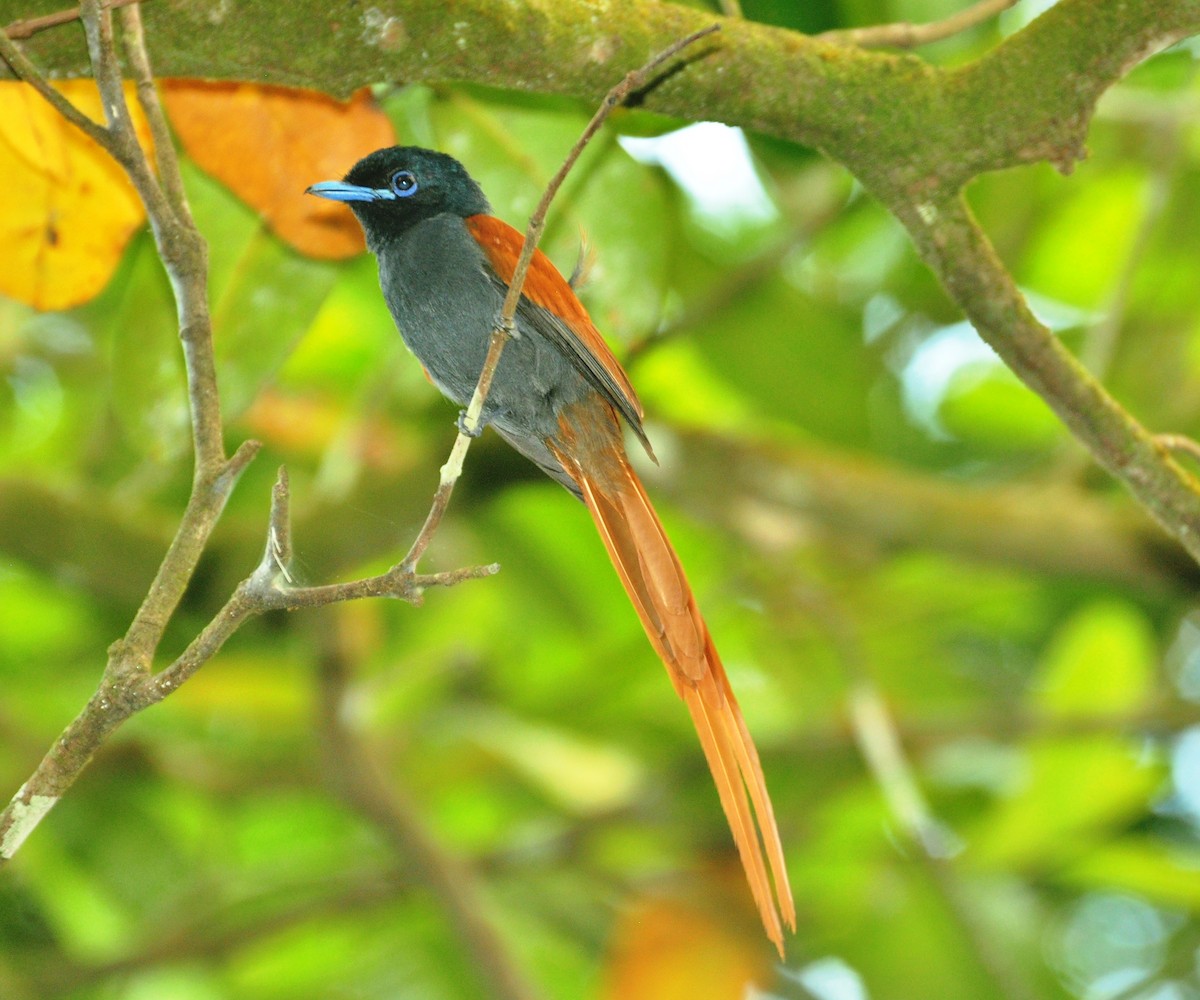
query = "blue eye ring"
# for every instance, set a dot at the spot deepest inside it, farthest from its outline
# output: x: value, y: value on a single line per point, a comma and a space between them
x: 403, y: 183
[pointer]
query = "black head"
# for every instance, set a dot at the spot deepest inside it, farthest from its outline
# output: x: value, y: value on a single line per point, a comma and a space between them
x: 394, y: 188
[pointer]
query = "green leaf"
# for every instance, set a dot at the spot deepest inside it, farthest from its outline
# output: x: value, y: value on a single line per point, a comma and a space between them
x: 1101, y: 661
x: 988, y: 407
x: 1072, y: 793
x: 1167, y: 874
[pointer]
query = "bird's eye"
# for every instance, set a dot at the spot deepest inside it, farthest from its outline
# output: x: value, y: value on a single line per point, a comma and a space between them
x: 404, y: 183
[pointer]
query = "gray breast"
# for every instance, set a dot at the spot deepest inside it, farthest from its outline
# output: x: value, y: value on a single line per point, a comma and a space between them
x: 445, y: 300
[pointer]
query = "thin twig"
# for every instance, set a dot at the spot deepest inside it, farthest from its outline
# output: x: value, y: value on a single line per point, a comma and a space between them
x: 183, y: 250
x: 635, y: 80
x: 122, y: 143
x: 903, y: 35
x: 128, y: 684
x: 30, y: 26
x: 1180, y: 443
x: 269, y: 588
x: 164, y: 147
x: 470, y: 421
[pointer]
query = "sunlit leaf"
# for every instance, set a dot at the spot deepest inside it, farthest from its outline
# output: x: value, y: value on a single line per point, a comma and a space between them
x: 1071, y: 793
x: 1162, y: 872
x: 1102, y: 660
x: 66, y: 208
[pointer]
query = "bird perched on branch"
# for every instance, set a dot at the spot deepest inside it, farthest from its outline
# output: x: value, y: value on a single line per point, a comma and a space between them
x: 558, y: 397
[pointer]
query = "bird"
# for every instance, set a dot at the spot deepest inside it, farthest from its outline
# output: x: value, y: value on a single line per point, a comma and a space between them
x: 559, y: 397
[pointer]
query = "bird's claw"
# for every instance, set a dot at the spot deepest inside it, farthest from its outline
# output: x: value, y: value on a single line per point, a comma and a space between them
x: 465, y: 428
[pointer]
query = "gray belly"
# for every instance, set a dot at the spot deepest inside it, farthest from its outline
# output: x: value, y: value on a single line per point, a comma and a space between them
x: 445, y: 302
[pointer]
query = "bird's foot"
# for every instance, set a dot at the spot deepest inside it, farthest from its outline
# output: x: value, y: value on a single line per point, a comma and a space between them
x: 466, y: 428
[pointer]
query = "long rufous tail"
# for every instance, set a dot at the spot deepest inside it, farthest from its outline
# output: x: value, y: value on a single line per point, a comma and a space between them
x: 656, y: 584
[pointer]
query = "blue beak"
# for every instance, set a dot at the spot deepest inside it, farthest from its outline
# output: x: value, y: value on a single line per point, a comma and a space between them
x: 341, y: 191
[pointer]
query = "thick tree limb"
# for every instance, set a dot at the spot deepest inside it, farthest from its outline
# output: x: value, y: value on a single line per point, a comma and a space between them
x: 959, y: 253
x: 891, y: 119
x: 771, y: 492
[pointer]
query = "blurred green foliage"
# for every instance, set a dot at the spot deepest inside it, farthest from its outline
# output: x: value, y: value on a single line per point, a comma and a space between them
x: 523, y: 721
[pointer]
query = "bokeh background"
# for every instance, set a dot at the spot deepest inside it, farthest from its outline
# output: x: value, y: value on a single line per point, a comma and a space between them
x: 971, y: 664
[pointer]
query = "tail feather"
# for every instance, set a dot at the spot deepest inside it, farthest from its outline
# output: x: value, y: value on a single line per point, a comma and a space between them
x: 656, y: 584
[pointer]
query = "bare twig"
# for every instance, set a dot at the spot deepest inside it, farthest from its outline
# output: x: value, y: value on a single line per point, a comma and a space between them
x: 128, y: 684
x: 164, y: 148
x: 269, y: 588
x: 30, y: 26
x: 1182, y: 444
x: 24, y: 70
x: 470, y: 424
x: 903, y: 35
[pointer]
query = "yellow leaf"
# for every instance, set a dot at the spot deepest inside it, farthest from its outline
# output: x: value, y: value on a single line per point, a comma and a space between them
x: 66, y: 208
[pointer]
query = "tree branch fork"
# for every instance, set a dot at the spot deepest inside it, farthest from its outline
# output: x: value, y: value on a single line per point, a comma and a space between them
x: 129, y: 682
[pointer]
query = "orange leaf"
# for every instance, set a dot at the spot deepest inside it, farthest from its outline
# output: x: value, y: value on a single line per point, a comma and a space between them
x: 310, y: 426
x: 66, y: 209
x: 666, y: 949
x: 267, y: 144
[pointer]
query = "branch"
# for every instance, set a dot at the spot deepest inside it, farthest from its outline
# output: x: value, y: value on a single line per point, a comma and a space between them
x: 957, y: 251
x: 123, y: 689
x: 919, y: 134
x: 164, y: 147
x: 30, y: 26
x: 1028, y: 99
x: 128, y: 684
x: 908, y: 36
x: 23, y: 69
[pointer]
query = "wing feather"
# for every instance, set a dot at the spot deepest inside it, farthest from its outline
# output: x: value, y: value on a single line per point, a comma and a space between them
x: 555, y: 312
